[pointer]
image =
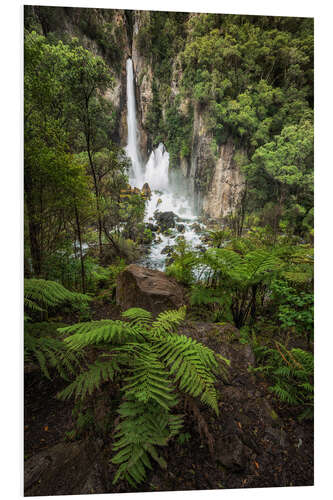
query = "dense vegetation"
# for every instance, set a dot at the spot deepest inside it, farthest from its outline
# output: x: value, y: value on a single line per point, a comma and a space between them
x: 251, y: 78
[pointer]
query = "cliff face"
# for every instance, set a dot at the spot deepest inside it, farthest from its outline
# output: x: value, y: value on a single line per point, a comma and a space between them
x: 144, y: 80
x: 215, y: 177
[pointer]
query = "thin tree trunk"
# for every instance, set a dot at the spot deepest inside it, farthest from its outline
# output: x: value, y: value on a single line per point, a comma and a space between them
x: 83, y: 277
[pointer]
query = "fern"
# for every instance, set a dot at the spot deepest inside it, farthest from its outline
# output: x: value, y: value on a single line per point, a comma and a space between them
x: 87, y: 382
x: 168, y: 321
x: 153, y: 365
x: 40, y: 294
x: 291, y: 374
x: 46, y: 352
x: 99, y: 332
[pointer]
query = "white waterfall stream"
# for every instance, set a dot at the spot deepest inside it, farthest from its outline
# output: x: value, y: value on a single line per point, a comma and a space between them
x: 168, y: 193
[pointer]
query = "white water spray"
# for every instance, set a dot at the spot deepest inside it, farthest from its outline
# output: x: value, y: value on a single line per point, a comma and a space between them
x: 166, y: 196
x: 132, y: 130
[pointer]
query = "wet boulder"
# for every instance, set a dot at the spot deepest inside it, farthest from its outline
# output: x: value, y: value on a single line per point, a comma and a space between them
x: 138, y: 286
x: 180, y: 228
x: 165, y: 220
x: 167, y: 250
x: 196, y: 227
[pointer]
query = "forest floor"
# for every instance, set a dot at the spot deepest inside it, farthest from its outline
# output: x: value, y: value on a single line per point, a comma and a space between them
x: 255, y: 441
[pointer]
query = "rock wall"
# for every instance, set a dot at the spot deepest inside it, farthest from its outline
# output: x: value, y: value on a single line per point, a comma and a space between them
x: 227, y: 184
x: 214, y: 176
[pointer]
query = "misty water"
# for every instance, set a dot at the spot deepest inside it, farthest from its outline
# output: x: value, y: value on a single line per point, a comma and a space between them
x: 169, y: 192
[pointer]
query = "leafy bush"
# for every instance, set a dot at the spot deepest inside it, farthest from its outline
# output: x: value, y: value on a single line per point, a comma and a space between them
x: 295, y: 308
x: 291, y: 374
x: 153, y: 365
x: 184, y: 262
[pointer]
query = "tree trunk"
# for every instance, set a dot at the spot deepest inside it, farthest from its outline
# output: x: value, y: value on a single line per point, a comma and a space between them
x: 83, y: 277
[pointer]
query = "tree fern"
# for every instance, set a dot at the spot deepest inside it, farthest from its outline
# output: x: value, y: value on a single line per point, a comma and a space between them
x: 153, y: 365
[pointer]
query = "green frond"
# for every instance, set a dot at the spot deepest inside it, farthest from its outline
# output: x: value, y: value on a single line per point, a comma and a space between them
x: 100, y: 332
x: 168, y: 321
x: 149, y: 380
x: 154, y: 364
x: 191, y: 364
x: 142, y: 428
x: 90, y: 380
x: 49, y: 352
x: 40, y: 294
x: 138, y: 316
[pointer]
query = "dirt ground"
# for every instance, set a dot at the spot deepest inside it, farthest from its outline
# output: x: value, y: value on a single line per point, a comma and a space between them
x: 255, y: 441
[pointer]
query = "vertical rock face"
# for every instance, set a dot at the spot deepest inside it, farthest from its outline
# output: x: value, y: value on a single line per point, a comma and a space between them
x: 143, y: 79
x: 227, y: 184
x: 216, y: 180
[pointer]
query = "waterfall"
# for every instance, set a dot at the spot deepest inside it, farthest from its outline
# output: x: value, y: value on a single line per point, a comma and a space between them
x: 168, y: 191
x: 132, y: 130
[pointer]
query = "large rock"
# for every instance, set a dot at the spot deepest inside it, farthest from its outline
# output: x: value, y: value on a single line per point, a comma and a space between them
x: 165, y: 220
x: 67, y: 469
x: 139, y: 286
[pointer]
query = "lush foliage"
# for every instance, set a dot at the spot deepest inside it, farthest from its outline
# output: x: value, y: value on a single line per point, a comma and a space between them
x: 153, y: 365
x: 291, y: 375
x: 40, y: 346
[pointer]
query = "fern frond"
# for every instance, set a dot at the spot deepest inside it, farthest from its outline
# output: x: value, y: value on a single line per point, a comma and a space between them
x: 191, y: 364
x: 168, y: 321
x: 138, y: 316
x: 100, y: 332
x: 149, y: 381
x: 87, y: 382
x: 141, y: 429
x: 51, y: 352
x: 41, y: 294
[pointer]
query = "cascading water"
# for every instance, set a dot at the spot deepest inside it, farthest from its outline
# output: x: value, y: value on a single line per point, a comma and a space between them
x: 132, y: 129
x: 167, y: 195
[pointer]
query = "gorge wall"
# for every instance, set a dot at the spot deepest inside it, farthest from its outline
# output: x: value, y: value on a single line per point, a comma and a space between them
x: 213, y: 175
